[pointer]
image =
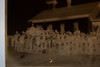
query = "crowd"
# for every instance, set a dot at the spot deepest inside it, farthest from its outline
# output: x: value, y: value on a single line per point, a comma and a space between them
x: 38, y: 40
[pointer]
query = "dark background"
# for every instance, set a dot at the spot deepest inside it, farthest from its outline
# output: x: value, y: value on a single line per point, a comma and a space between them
x: 20, y: 11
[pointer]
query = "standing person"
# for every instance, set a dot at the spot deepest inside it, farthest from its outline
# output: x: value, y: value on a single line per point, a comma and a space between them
x: 69, y: 42
x: 16, y: 36
x: 30, y: 44
x: 91, y: 40
x: 38, y: 41
x: 37, y: 32
x: 42, y: 41
x: 18, y: 44
x: 81, y: 43
x: 56, y: 41
x: 53, y: 41
x: 13, y: 42
x: 22, y: 41
x: 59, y: 42
x: 61, y: 46
x: 48, y: 41
x: 66, y: 44
x: 74, y: 44
x: 27, y: 35
x: 32, y: 30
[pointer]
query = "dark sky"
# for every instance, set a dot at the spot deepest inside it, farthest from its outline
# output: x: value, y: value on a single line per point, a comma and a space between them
x: 20, y: 11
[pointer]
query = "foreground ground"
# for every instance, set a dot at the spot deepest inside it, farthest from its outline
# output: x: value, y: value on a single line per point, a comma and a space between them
x: 14, y: 60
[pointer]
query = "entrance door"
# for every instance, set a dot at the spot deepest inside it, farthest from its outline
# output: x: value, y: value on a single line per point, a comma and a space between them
x: 85, y: 26
x: 56, y: 26
x: 69, y: 26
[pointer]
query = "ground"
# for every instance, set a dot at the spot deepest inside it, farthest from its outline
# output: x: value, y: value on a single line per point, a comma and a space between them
x: 14, y: 60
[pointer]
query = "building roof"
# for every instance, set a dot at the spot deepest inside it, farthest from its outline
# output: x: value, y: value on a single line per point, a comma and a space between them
x: 89, y: 10
x: 97, y: 18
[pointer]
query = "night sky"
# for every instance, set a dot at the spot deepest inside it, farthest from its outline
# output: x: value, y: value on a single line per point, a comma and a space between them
x: 20, y: 11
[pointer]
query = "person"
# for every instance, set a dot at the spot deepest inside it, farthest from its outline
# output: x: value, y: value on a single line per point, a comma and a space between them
x: 77, y: 32
x: 32, y: 30
x: 30, y: 38
x: 22, y: 45
x: 67, y: 49
x: 16, y: 39
x: 62, y: 43
x: 42, y: 41
x: 38, y: 41
x: 58, y: 43
x: 13, y: 42
x: 22, y: 42
x: 37, y: 30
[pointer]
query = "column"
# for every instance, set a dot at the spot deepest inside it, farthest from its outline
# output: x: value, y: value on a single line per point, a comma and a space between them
x: 89, y: 26
x: 50, y: 26
x: 92, y: 27
x: 62, y: 30
x: 76, y: 26
x: 68, y: 3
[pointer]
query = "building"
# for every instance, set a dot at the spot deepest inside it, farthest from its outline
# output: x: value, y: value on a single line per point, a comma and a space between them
x: 85, y: 17
x: 71, y: 18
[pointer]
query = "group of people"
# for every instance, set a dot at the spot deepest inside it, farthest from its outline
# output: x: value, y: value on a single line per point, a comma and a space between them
x: 38, y: 40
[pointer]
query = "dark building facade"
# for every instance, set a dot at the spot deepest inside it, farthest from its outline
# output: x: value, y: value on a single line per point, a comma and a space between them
x: 80, y: 17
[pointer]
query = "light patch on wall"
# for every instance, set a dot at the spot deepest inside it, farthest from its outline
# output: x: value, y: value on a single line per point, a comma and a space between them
x: 96, y: 23
x: 99, y: 5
